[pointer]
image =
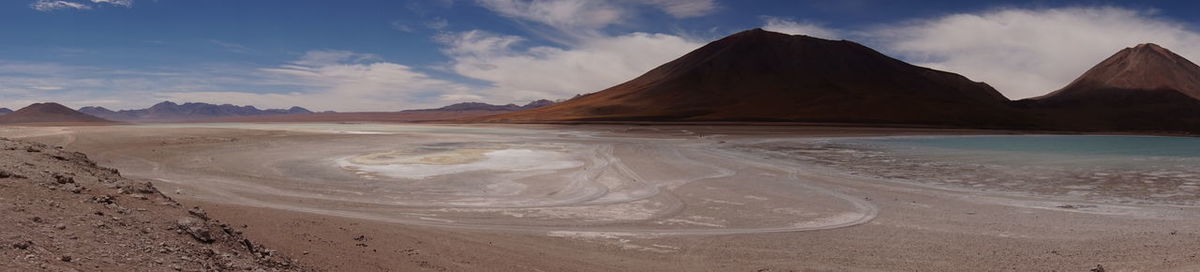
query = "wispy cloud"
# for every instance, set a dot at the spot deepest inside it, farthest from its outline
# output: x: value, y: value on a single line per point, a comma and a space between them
x: 544, y: 72
x: 123, y: 3
x: 682, y: 8
x: 782, y: 25
x: 582, y: 18
x: 51, y: 5
x: 342, y: 80
x: 586, y: 59
x: 232, y: 47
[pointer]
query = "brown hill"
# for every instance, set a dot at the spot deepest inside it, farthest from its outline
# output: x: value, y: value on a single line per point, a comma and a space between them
x: 758, y: 75
x: 1145, y: 87
x: 48, y: 113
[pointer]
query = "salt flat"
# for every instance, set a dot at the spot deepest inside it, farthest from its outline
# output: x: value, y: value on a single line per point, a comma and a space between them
x: 644, y: 198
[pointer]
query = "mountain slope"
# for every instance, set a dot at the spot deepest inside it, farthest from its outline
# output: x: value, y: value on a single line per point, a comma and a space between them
x: 48, y: 113
x: 4, y: 111
x: 1145, y: 87
x: 767, y: 76
x: 171, y: 112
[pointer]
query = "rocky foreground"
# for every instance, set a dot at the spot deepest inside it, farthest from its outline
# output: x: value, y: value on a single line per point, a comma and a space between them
x: 62, y: 212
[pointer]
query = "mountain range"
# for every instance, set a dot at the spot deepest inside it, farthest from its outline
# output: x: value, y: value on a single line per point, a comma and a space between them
x: 758, y: 75
x: 478, y: 106
x: 171, y: 112
x: 4, y: 111
x: 451, y: 112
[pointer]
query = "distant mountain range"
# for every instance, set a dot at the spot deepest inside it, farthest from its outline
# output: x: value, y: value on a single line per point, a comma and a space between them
x: 451, y: 112
x: 49, y: 113
x: 171, y: 112
x: 4, y: 111
x: 477, y: 106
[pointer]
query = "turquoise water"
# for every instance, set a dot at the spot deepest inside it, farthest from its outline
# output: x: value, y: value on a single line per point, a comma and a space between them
x: 1118, y: 169
x: 1058, y: 144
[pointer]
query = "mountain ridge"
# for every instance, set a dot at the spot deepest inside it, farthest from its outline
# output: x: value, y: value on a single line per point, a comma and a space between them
x: 168, y: 111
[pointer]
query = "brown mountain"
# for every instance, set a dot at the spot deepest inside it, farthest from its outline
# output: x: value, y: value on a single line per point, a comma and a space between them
x: 758, y: 75
x: 1145, y: 87
x: 48, y: 113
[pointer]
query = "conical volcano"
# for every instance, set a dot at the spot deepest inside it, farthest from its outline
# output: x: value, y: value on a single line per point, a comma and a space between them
x: 1145, y: 87
x: 758, y: 75
x: 1146, y: 67
x: 48, y: 113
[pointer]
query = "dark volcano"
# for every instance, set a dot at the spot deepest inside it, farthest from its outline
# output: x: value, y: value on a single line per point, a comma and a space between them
x: 1145, y: 87
x: 48, y: 113
x: 758, y: 75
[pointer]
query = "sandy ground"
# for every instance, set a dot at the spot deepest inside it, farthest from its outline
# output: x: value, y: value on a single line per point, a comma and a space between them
x: 62, y: 212
x: 368, y: 197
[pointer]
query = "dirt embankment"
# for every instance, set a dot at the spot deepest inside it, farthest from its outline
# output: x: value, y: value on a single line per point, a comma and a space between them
x: 62, y: 212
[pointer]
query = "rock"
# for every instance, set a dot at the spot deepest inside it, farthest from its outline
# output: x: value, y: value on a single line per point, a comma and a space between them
x: 65, y: 258
x: 1099, y: 268
x: 23, y: 244
x: 63, y: 179
x: 198, y: 212
x: 196, y: 228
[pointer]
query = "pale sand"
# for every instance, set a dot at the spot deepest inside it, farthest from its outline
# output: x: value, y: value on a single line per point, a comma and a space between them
x: 633, y: 198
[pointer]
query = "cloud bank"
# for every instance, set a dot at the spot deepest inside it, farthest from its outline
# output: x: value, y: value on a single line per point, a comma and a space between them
x: 541, y: 72
x: 1030, y: 52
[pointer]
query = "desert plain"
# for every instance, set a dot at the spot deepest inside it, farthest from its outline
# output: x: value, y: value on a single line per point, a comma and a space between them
x: 623, y: 197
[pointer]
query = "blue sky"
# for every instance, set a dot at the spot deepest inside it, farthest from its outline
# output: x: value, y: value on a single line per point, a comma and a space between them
x: 395, y: 54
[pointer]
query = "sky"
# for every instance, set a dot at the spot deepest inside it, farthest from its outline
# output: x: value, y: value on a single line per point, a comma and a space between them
x: 385, y: 55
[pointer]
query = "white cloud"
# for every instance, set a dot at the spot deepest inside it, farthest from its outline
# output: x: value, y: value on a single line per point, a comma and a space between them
x: 347, y: 81
x: 50, y: 5
x: 682, y: 8
x: 561, y: 14
x: 544, y: 72
x: 123, y: 3
x: 586, y: 58
x: 1030, y: 52
x: 586, y: 15
x: 319, y: 80
x: 781, y: 25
